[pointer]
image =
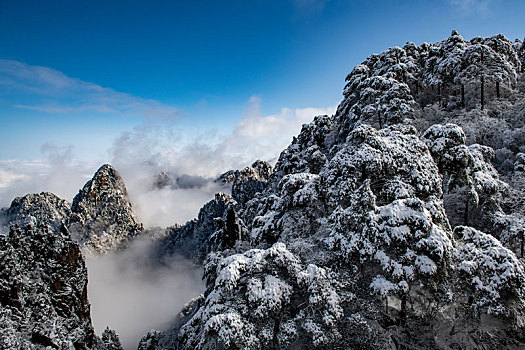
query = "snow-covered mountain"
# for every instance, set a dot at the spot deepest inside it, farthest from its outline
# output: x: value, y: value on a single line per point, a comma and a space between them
x: 100, y: 218
x: 43, y: 288
x: 101, y: 214
x: 360, y: 236
x: 397, y: 223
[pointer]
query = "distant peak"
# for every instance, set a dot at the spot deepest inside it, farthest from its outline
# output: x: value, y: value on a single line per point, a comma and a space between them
x: 106, y: 170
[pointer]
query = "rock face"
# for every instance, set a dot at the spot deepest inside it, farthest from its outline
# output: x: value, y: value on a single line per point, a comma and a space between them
x: 43, y: 277
x: 101, y: 214
x: 360, y: 236
x: 248, y: 181
x: 43, y: 291
x: 100, y: 218
x: 35, y: 208
x: 217, y: 227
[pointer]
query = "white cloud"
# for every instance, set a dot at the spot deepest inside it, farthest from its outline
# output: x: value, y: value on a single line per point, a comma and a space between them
x: 471, y: 6
x: 206, y: 153
x: 57, y: 172
x: 55, y: 92
x: 259, y: 136
x: 8, y: 178
x: 131, y: 294
x: 143, y: 152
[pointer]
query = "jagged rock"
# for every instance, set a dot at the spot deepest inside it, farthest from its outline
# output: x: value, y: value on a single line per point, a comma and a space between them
x: 263, y: 299
x: 308, y: 151
x: 184, y: 181
x: 150, y: 341
x: 248, y: 181
x: 38, y: 208
x: 102, y: 218
x: 217, y: 227
x: 383, y: 89
x: 43, y: 291
x: 359, y: 238
x: 519, y: 165
x: 163, y: 180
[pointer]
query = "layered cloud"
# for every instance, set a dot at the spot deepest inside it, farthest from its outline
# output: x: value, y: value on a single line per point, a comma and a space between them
x: 52, y: 91
x: 207, y: 153
x: 142, y: 153
x: 145, y: 150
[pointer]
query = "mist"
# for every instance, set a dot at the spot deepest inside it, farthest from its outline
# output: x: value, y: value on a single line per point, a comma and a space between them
x: 128, y: 291
x: 57, y: 172
x: 131, y: 293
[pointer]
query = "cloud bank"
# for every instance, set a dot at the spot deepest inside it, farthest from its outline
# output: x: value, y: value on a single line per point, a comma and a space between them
x: 141, y: 154
x: 57, y: 172
x: 131, y: 293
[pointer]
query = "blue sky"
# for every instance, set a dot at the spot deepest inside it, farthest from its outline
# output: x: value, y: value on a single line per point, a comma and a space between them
x: 81, y: 74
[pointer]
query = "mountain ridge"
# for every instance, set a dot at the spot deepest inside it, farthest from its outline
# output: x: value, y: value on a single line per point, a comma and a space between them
x: 395, y: 223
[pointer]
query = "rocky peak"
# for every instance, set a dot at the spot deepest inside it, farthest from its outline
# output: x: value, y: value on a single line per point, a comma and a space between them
x: 248, y: 181
x: 43, y: 291
x: 43, y: 207
x: 104, y: 188
x: 390, y: 87
x: 102, y: 216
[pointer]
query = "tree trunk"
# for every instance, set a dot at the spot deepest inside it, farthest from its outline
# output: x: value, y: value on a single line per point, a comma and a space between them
x: 482, y: 92
x: 522, y: 237
x: 403, y: 310
x: 497, y: 89
x: 463, y: 95
x: 231, y: 234
x: 276, y: 327
x: 465, y: 217
x: 380, y: 121
x: 439, y: 94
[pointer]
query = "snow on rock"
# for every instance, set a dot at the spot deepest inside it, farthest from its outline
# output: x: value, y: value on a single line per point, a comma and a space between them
x: 102, y: 216
x: 308, y: 151
x: 383, y: 89
x: 519, y: 165
x: 262, y: 298
x: 497, y: 278
x: 447, y: 146
x: 246, y: 183
x: 217, y: 227
x: 43, y: 207
x: 43, y: 291
x: 347, y: 242
x: 471, y: 183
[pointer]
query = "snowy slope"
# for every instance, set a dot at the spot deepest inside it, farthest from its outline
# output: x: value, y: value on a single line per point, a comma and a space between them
x: 356, y: 239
